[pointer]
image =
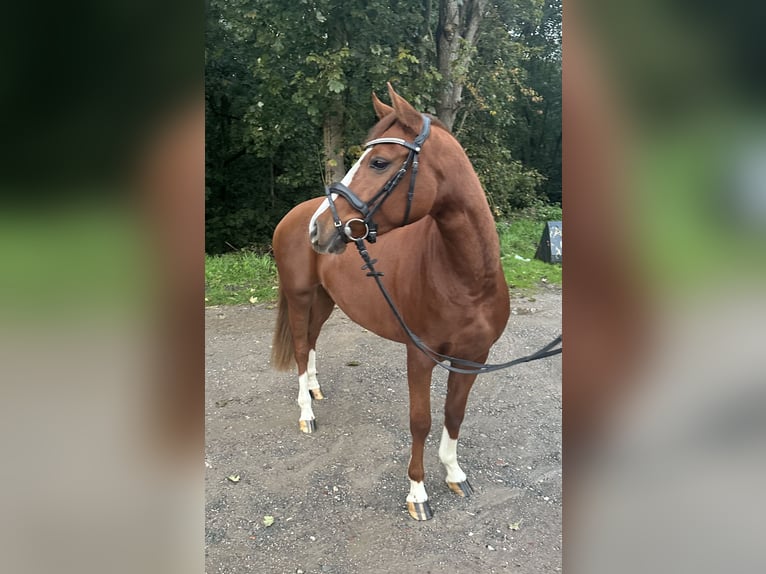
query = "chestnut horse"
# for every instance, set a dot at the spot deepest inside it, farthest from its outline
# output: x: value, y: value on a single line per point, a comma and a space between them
x: 418, y: 195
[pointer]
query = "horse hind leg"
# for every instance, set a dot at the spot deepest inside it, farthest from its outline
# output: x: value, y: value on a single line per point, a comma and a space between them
x: 291, y: 338
x: 458, y: 387
x: 321, y: 309
x: 302, y: 306
x: 307, y: 312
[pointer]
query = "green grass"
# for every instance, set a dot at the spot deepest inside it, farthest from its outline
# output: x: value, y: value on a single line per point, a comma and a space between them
x: 521, y: 237
x: 245, y: 277
x: 239, y: 278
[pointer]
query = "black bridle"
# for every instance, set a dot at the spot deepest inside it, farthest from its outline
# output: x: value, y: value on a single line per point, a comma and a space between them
x: 368, y: 208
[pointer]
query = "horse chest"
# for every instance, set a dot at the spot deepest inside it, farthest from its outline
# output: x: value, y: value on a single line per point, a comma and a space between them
x: 439, y: 307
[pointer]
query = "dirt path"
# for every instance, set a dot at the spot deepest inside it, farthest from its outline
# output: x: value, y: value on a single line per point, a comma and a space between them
x: 337, y: 497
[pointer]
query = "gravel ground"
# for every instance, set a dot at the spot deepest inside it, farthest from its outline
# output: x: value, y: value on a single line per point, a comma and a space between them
x: 337, y: 497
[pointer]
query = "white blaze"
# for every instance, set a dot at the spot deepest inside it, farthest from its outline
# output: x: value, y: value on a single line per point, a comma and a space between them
x: 345, y: 181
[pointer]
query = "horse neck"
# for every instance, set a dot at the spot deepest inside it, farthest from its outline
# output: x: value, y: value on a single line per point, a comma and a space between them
x: 465, y: 223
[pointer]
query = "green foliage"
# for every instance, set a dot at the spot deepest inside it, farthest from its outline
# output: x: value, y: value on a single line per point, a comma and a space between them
x: 541, y: 212
x: 511, y: 119
x: 276, y: 71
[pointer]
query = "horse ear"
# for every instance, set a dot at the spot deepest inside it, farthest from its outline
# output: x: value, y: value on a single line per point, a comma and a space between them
x: 405, y: 113
x: 381, y: 109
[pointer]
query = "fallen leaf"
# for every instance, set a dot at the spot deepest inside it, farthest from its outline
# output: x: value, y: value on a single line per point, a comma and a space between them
x: 268, y: 521
x: 515, y: 525
x: 233, y: 477
x: 353, y: 364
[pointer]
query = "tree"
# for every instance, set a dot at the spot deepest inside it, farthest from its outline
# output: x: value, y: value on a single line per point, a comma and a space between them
x: 539, y: 123
x: 510, y: 117
x: 457, y: 35
x: 288, y: 97
x: 288, y: 91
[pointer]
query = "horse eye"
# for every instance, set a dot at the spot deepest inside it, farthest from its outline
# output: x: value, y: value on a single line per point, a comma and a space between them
x: 379, y: 163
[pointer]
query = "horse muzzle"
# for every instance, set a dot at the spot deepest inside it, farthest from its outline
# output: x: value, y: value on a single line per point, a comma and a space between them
x: 332, y: 237
x: 326, y: 239
x: 354, y: 229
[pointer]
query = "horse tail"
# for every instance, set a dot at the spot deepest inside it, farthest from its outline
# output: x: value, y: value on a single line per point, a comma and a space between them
x: 282, y: 350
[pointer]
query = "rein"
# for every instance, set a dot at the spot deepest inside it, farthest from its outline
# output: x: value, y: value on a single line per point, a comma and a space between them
x: 367, y: 209
x: 474, y: 368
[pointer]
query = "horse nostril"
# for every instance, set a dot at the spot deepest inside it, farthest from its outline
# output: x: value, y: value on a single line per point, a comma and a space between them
x: 313, y: 234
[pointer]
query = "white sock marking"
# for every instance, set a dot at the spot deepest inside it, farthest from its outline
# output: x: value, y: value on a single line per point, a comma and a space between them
x: 324, y: 206
x: 304, y: 398
x: 311, y: 370
x: 448, y: 456
x: 417, y: 492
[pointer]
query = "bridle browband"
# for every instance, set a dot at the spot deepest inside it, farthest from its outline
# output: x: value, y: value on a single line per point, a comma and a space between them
x: 368, y: 208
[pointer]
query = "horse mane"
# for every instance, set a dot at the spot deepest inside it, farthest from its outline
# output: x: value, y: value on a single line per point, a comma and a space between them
x: 383, y: 125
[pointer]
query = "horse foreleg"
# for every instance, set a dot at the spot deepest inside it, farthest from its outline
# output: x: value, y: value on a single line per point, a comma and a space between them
x: 419, y: 370
x: 458, y: 387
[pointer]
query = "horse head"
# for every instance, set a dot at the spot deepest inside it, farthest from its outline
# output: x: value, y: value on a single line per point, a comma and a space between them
x: 388, y: 186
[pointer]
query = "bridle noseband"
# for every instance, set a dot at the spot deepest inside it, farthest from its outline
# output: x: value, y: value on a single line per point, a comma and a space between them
x: 368, y: 208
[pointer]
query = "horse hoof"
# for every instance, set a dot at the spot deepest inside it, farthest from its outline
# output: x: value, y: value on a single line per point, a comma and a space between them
x: 308, y: 427
x: 462, y: 489
x: 420, y: 510
x: 316, y: 394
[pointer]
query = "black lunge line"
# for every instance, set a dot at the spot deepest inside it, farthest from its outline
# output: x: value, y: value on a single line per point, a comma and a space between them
x: 475, y: 368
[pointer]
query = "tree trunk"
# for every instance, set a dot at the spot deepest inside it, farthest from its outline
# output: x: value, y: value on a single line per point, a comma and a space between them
x: 456, y: 39
x: 333, y: 165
